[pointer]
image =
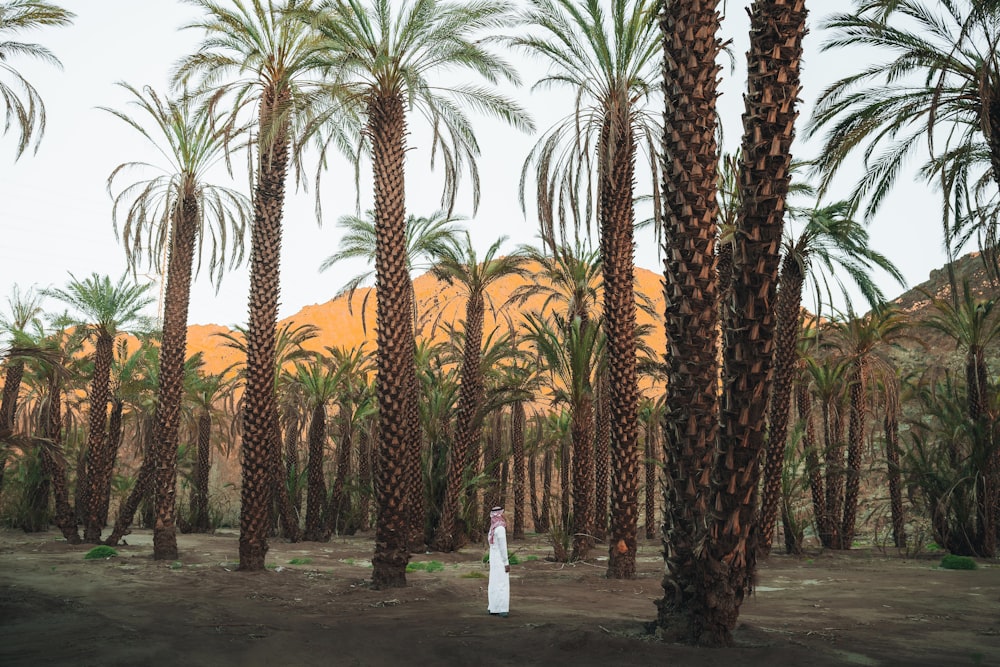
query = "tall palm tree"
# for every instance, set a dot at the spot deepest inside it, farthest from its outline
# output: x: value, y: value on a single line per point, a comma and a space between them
x: 974, y: 325
x: 610, y: 63
x: 24, y: 311
x: 105, y: 310
x: 692, y: 284
x: 387, y: 55
x: 170, y: 214
x: 204, y: 393
x: 274, y: 60
x: 460, y: 265
x: 862, y: 342
x: 571, y: 352
x: 23, y: 105
x: 939, y: 87
x: 830, y: 237
x: 319, y: 379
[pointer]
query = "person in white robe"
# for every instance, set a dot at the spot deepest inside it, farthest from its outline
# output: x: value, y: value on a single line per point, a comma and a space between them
x: 499, y: 588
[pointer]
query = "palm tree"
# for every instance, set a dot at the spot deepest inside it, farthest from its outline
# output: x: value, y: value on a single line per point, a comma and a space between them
x: 692, y: 284
x: 829, y: 237
x: 974, y: 325
x: 425, y: 237
x: 459, y: 264
x: 610, y: 63
x: 939, y: 87
x: 318, y: 379
x: 170, y: 215
x: 274, y: 59
x: 22, y: 104
x: 385, y: 54
x: 25, y: 309
x: 860, y: 341
x: 571, y: 352
x: 204, y: 392
x: 829, y: 382
x: 106, y: 310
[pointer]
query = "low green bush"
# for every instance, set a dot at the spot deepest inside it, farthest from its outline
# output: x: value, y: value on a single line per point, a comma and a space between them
x: 102, y: 551
x: 953, y: 562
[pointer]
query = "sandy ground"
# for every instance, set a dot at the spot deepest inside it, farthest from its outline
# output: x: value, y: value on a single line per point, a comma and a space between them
x: 863, y: 608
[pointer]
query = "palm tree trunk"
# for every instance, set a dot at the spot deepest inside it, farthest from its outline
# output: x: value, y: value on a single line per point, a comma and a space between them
x: 690, y: 31
x: 617, y: 251
x: 114, y: 442
x: 834, y: 460
x: 287, y: 514
x: 55, y: 466
x: 855, y: 442
x: 546, y: 491
x: 199, y: 498
x: 291, y: 415
x: 804, y: 404
x: 892, y: 472
x: 8, y: 405
x: 98, y: 460
x: 785, y: 365
x: 651, y: 479
x: 776, y: 31
x: 316, y: 493
x: 141, y: 490
x: 338, y: 509
x: 396, y: 367
x: 602, y: 459
x: 583, y: 478
x: 470, y: 397
x: 172, y: 353
x: 517, y: 422
x: 260, y: 412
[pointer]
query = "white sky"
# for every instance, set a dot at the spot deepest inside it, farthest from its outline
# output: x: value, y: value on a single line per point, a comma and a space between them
x: 55, y: 215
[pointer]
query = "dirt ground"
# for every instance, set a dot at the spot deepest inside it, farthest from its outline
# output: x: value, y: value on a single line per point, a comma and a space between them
x: 862, y: 608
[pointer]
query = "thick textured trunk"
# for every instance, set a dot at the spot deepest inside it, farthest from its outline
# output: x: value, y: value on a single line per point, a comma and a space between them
x: 200, y: 521
x: 287, y: 514
x: 517, y: 421
x: 785, y: 370
x: 172, y: 353
x: 855, y: 442
x: 339, y: 508
x: 8, y: 405
x: 142, y: 489
x: 652, y: 488
x: 602, y: 459
x: 536, y: 517
x: 114, y: 442
x: 583, y: 478
x: 617, y: 259
x: 546, y: 517
x: 365, y: 480
x: 98, y: 458
x: 834, y: 460
x: 470, y: 397
x: 396, y: 368
x: 260, y: 412
x: 892, y: 473
x: 690, y: 423
x: 493, y: 465
x: 54, y: 465
x: 316, y: 493
x: 291, y: 415
x: 776, y: 31
x: 813, y: 468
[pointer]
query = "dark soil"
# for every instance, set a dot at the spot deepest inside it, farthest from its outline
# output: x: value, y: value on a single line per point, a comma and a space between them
x: 858, y: 608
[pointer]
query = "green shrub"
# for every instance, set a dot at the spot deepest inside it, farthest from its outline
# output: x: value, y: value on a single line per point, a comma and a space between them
x: 300, y: 561
x: 176, y: 565
x: 511, y: 558
x: 425, y: 566
x: 953, y: 562
x: 474, y: 575
x: 102, y: 551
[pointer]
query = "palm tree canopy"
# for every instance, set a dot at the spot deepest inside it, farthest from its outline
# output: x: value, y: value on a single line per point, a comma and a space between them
x: 936, y: 88
x: 973, y: 323
x: 458, y: 263
x: 23, y: 311
x: 612, y: 65
x: 23, y: 105
x: 832, y: 238
x: 190, y: 140
x: 104, y: 307
x: 386, y: 49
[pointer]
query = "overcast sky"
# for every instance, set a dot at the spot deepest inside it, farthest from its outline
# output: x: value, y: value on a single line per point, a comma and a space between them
x: 56, y: 212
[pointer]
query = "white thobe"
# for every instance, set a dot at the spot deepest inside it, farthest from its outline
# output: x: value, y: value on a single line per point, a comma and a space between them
x: 499, y: 589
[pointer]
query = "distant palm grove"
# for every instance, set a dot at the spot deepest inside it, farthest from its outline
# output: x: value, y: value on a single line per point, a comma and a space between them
x: 768, y: 416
